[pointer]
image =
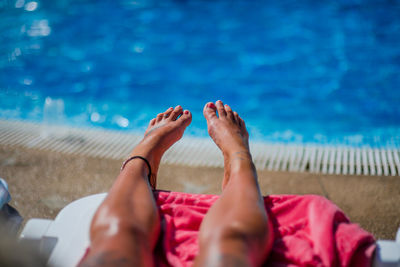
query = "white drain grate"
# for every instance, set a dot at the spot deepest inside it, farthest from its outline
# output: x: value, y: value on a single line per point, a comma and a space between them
x: 203, y: 152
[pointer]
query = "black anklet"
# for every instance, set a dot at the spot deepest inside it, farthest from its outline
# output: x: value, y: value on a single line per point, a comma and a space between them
x: 148, y: 165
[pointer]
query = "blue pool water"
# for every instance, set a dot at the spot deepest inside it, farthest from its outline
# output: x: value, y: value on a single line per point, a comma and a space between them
x: 297, y: 71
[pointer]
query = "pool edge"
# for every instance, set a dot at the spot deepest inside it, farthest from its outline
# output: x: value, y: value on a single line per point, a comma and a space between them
x: 193, y: 151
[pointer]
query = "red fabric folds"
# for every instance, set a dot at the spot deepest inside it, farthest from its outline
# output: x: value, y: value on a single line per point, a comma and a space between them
x: 309, y: 231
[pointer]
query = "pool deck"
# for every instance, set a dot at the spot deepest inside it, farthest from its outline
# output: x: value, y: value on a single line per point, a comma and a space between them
x: 202, y: 152
x: 42, y: 182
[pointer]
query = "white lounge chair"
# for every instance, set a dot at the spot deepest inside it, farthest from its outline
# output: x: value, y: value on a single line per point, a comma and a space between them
x: 64, y: 239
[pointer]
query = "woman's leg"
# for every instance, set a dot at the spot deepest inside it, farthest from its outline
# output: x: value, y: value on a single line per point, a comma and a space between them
x: 235, y: 230
x: 126, y: 226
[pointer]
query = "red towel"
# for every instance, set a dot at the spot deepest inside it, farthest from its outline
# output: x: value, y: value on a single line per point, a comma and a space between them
x: 309, y: 231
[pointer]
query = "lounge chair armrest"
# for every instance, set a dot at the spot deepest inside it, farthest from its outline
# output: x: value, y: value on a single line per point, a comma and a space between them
x: 35, y: 229
x: 387, y: 254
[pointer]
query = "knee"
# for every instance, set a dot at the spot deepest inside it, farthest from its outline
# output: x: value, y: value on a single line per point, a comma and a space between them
x: 107, y: 225
x: 254, y: 239
x: 251, y: 230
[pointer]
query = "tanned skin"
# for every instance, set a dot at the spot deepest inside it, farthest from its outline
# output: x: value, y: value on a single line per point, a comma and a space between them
x: 235, y: 231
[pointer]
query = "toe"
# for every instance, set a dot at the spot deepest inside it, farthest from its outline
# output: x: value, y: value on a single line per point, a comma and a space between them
x: 152, y: 122
x: 220, y: 108
x: 236, y: 116
x: 186, y: 117
x: 176, y: 113
x: 209, y: 111
x: 159, y: 117
x: 243, y: 127
x: 241, y: 122
x: 229, y: 112
x: 168, y: 112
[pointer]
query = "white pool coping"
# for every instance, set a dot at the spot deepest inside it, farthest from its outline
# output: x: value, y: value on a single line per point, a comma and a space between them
x: 190, y: 151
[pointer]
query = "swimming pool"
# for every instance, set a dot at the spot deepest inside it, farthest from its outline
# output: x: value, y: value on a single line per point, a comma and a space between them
x: 300, y: 73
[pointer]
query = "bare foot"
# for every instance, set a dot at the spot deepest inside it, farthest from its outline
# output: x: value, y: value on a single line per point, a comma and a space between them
x: 163, y: 131
x: 229, y: 133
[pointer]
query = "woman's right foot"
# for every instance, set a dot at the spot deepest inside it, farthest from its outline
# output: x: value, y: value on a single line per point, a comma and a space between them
x: 228, y: 131
x: 163, y: 131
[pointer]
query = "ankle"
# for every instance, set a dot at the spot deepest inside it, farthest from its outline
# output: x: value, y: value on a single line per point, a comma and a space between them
x: 239, y: 160
x: 238, y: 152
x: 148, y: 153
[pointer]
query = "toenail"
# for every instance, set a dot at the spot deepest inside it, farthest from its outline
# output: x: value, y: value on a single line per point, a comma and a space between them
x: 211, y: 105
x: 186, y: 112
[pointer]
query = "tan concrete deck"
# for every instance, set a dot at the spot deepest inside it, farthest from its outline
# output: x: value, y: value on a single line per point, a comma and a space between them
x: 41, y: 183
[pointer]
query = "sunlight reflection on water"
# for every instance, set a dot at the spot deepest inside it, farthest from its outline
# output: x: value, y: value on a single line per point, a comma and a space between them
x: 297, y: 72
